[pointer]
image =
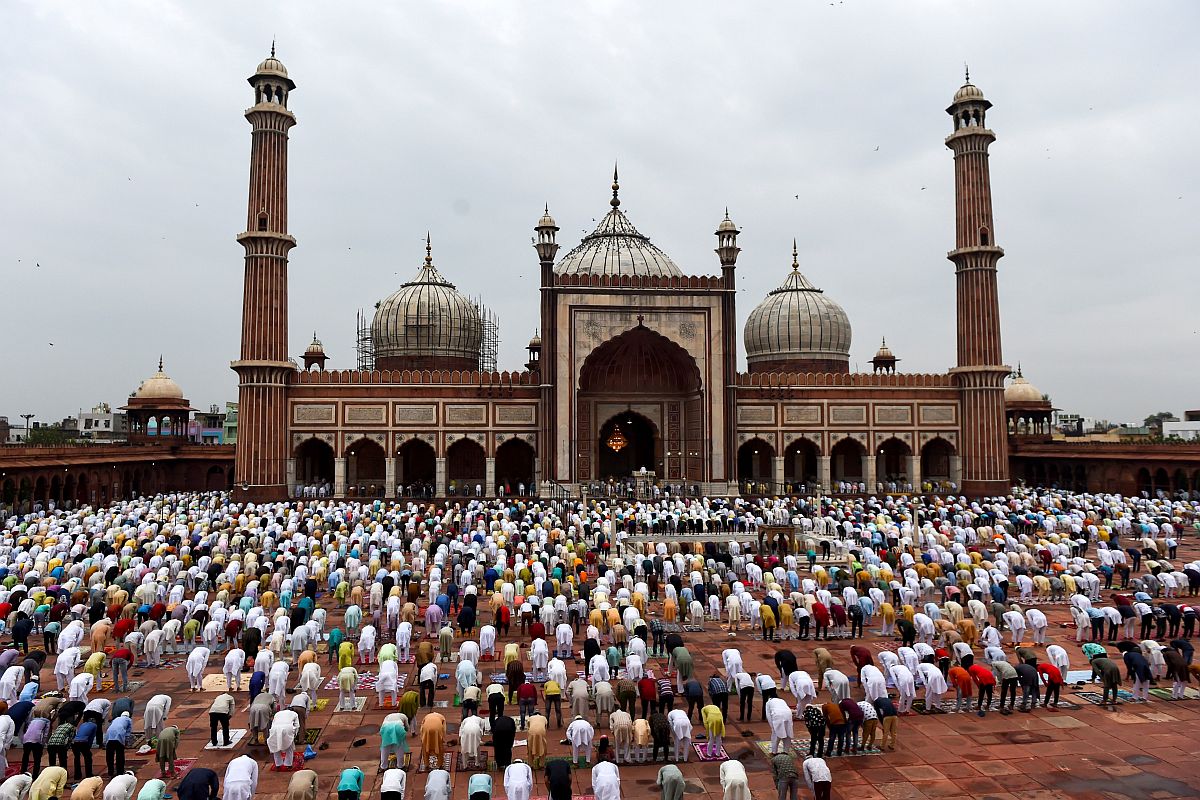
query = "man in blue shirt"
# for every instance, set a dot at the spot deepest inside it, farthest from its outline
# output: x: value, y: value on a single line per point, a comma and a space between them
x: 116, y: 739
x: 81, y: 746
x: 350, y: 784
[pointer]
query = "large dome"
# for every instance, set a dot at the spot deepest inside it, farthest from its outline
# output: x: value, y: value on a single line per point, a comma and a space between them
x: 798, y: 328
x: 1020, y: 390
x: 427, y: 324
x: 617, y: 248
x: 159, y: 387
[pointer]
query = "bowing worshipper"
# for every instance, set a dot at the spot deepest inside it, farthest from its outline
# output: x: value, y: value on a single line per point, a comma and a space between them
x: 155, y: 715
x: 906, y: 686
x: 518, y: 780
x: 350, y: 784
x: 302, y: 786
x: 433, y: 739
x: 935, y: 685
x: 49, y: 784
x: 537, y: 738
x: 219, y: 714
x: 504, y: 734
x: 580, y: 733
x: 235, y: 659
x: 465, y: 674
x: 262, y: 712
x: 64, y: 667
x: 390, y: 788
x: 558, y: 780
x: 779, y: 717
x: 120, y: 787
x: 91, y: 788
x: 714, y: 728
x: 1177, y: 672
x: 470, y: 736
x: 684, y: 667
x: 201, y: 783
x: 514, y: 676
x: 155, y: 789
x: 818, y: 777
x: 387, y: 684
x: 837, y: 683
x: 437, y: 785
x: 670, y: 782
x: 606, y: 781
x: 427, y: 678
x: 197, y: 660
x: 310, y: 680
x: 366, y: 645
x: 734, y: 783
x: 606, y: 700
x: 16, y: 787
x: 681, y: 733
x: 410, y: 702
x: 166, y: 749
x: 577, y: 692
x: 347, y: 685
x: 281, y: 739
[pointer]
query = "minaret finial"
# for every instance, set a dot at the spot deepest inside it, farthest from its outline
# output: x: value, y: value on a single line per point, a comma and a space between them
x: 1019, y: 373
x: 160, y: 362
x: 428, y: 250
x: 795, y: 257
x: 884, y: 342
x: 967, y: 70
x: 616, y: 187
x: 726, y: 212
x: 272, y: 47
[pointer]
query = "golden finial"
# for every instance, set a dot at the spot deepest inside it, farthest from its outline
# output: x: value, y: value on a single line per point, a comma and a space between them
x: 795, y: 257
x: 616, y: 187
x: 428, y: 251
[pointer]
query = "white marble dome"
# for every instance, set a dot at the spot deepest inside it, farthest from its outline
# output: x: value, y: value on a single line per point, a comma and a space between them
x: 797, y: 322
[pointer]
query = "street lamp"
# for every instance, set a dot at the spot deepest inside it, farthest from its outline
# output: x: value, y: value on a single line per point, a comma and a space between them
x: 27, y: 417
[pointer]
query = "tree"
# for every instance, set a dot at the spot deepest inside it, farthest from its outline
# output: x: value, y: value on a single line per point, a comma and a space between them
x: 48, y: 435
x: 1155, y: 421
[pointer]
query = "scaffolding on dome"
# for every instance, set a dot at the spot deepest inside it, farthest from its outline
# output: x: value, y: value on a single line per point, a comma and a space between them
x: 365, y: 344
x: 489, y: 348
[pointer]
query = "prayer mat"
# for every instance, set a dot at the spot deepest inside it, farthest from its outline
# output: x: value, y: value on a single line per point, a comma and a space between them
x: 216, y: 683
x: 107, y: 686
x: 449, y: 762
x: 173, y: 663
x: 671, y: 627
x: 409, y: 659
x: 359, y: 704
x: 1165, y: 694
x: 182, y: 765
x: 799, y: 749
x: 1096, y: 698
x: 311, y: 735
x: 701, y: 749
x: 481, y: 762
x: 401, y: 681
x: 436, y: 704
x: 321, y: 705
x: 694, y: 628
x: 235, y: 736
x: 1078, y: 676
x: 366, y: 682
x: 948, y: 706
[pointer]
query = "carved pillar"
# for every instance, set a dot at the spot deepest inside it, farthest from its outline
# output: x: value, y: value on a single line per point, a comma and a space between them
x: 956, y: 471
x: 913, y: 470
x: 869, y: 471
x: 489, y: 481
x: 823, y: 463
x: 291, y: 475
x: 440, y: 476
x: 537, y: 476
x: 778, y: 476
x: 389, y: 481
x: 339, y: 477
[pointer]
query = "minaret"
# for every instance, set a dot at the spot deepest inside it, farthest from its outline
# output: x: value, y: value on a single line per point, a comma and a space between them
x: 263, y: 369
x: 983, y: 447
x: 727, y: 251
x: 547, y: 248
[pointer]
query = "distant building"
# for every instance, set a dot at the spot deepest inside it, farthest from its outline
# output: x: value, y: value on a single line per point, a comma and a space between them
x: 1189, y: 428
x: 102, y: 424
x: 208, y: 427
x: 231, y: 423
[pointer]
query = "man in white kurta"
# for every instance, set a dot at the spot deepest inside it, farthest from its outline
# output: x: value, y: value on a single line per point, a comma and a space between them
x: 518, y: 780
x: 935, y: 684
x: 277, y: 679
x: 241, y: 779
x: 606, y: 781
x: 470, y: 735
x: 65, y: 666
x: 779, y: 717
x: 194, y: 666
x: 681, y: 733
x: 155, y: 715
x: 733, y: 781
x: 235, y: 659
x: 281, y: 739
x: 580, y: 733
x: 837, y: 683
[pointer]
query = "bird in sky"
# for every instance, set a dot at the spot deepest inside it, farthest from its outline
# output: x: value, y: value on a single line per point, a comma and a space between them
x: 876, y: 148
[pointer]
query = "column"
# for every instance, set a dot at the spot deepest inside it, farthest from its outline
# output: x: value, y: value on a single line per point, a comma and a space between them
x: 291, y: 476
x: 489, y: 481
x: 537, y: 476
x: 823, y: 463
x: 440, y: 476
x: 913, y: 469
x: 778, y: 477
x: 869, y: 471
x: 956, y: 471
x: 389, y: 488
x: 339, y: 477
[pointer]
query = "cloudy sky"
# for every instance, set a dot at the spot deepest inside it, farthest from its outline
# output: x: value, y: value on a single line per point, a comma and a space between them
x: 124, y: 158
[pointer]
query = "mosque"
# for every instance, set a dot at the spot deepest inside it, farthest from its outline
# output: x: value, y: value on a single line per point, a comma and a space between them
x: 633, y: 372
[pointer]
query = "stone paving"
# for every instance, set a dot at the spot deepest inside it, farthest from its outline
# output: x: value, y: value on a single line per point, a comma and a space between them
x: 1137, y: 751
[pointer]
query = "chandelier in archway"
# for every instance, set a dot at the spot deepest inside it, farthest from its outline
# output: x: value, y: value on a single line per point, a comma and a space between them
x: 616, y: 440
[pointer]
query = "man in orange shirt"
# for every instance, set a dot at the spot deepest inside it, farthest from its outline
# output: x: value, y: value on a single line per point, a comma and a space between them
x: 960, y: 679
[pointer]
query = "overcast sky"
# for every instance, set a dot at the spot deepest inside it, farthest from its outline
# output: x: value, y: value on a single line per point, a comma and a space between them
x: 124, y: 158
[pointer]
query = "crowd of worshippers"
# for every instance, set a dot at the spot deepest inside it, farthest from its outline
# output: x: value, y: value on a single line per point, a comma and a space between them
x: 211, y: 581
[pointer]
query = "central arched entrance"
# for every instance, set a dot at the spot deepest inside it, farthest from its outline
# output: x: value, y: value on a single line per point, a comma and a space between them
x: 628, y: 443
x: 639, y: 406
